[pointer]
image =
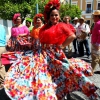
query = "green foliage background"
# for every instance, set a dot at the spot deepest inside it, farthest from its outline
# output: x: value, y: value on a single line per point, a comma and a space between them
x: 9, y: 7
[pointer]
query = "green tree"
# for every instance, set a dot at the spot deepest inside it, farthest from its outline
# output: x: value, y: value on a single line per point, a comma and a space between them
x: 65, y: 9
x: 9, y: 7
x: 71, y: 10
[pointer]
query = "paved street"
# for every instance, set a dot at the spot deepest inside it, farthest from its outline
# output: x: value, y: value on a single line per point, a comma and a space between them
x: 75, y: 95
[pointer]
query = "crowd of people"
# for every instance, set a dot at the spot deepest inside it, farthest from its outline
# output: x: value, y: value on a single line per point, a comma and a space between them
x: 39, y: 68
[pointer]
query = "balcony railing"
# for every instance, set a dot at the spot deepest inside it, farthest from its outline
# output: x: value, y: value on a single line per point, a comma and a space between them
x: 88, y: 11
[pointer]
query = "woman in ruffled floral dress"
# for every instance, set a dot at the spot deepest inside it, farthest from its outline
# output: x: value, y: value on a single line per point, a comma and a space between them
x: 46, y: 73
x: 38, y: 23
x: 19, y: 33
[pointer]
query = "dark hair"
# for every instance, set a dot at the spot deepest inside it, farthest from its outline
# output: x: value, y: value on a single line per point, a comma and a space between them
x: 53, y: 8
x: 42, y: 19
x: 28, y: 21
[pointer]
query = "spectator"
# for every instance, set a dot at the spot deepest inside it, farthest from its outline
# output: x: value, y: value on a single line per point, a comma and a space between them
x: 76, y: 24
x: 28, y: 24
x: 82, y: 34
x: 66, y: 20
x: 2, y: 50
x: 95, y: 40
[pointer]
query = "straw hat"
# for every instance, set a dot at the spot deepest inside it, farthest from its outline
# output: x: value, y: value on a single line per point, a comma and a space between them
x: 97, y: 12
x: 82, y: 18
x: 75, y: 18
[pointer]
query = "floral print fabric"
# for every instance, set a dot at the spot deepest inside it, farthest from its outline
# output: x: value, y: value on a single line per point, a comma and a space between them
x: 46, y: 74
x: 19, y: 43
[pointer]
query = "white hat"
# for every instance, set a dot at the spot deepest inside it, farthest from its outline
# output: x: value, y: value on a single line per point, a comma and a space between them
x: 75, y: 18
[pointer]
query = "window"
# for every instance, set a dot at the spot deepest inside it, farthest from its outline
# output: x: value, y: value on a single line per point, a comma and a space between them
x: 74, y: 4
x: 88, y: 9
x: 98, y: 5
x: 67, y: 1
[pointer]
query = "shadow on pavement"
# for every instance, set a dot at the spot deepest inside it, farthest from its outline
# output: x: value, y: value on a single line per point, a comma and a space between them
x: 97, y: 72
x: 85, y: 58
x: 75, y: 97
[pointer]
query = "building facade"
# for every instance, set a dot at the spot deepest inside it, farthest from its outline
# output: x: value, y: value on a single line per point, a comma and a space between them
x: 87, y: 7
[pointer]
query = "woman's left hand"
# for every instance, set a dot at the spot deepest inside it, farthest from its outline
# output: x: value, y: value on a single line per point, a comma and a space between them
x: 68, y: 40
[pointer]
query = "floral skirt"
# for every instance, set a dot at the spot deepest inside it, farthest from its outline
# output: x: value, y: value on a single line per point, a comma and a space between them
x: 46, y: 74
x: 20, y: 43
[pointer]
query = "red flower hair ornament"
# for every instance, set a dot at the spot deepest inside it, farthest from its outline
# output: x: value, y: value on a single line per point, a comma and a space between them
x: 15, y: 17
x: 49, y: 6
x: 39, y: 15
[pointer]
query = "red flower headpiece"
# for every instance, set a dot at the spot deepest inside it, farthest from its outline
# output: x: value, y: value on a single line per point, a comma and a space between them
x: 50, y: 5
x: 15, y: 17
x: 37, y: 16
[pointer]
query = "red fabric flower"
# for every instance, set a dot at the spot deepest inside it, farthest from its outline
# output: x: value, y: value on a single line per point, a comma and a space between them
x: 15, y: 17
x: 51, y: 4
x: 40, y: 15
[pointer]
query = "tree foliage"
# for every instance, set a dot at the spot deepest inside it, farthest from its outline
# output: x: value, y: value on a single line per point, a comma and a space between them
x: 28, y: 7
x: 70, y: 10
x: 10, y: 7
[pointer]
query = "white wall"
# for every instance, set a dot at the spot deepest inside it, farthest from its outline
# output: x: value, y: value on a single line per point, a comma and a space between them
x: 8, y: 24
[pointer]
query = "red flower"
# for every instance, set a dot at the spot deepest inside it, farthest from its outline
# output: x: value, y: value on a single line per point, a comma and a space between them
x: 40, y: 15
x: 51, y: 4
x: 15, y: 17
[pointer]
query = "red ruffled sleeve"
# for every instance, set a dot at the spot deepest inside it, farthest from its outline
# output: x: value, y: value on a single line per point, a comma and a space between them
x: 68, y: 31
x: 55, y: 34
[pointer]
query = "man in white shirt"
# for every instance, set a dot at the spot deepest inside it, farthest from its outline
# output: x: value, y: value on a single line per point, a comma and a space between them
x: 76, y: 24
x: 82, y: 37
